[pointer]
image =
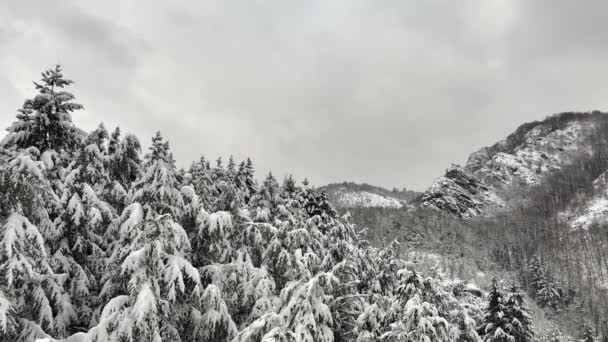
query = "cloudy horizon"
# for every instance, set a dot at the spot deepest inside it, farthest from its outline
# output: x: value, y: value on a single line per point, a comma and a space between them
x: 388, y: 93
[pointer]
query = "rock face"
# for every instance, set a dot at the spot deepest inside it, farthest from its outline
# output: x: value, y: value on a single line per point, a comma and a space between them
x: 460, y: 194
x: 494, y: 174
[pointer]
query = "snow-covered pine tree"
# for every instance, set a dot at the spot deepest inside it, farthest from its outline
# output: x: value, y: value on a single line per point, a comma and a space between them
x: 544, y: 290
x: 25, y: 188
x: 156, y: 292
x: 306, y: 312
x: 249, y: 291
x: 203, y: 183
x: 189, y: 210
x: 294, y: 253
x: 289, y: 186
x: 214, y: 322
x: 124, y: 167
x: 45, y: 122
x: 267, y: 200
x: 466, y: 328
x: 32, y: 300
x: 229, y: 199
x: 214, y: 238
x: 218, y: 173
x: 78, y: 248
x: 158, y: 189
x: 521, y: 322
x: 114, y: 141
x: 317, y: 203
x: 418, y: 319
x: 231, y: 169
x: 126, y: 161
x: 249, y: 179
x: 496, y: 326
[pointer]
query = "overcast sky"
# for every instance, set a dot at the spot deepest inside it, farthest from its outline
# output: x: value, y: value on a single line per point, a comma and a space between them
x: 384, y: 92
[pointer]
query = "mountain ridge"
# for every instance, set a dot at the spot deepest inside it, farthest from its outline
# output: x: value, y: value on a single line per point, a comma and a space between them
x: 496, y: 175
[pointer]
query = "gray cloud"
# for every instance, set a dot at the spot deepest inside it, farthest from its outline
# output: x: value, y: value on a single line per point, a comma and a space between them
x: 385, y: 92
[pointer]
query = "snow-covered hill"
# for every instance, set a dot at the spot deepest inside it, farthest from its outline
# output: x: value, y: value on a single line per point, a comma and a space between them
x: 352, y: 195
x: 493, y: 176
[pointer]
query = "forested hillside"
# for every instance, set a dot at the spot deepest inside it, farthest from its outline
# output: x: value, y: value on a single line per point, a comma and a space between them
x: 99, y: 242
x: 549, y: 231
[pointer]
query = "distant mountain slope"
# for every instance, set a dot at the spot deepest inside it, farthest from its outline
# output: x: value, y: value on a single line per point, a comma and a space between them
x: 353, y: 195
x: 494, y: 176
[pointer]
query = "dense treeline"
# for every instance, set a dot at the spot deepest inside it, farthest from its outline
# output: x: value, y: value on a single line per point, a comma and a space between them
x: 101, y: 243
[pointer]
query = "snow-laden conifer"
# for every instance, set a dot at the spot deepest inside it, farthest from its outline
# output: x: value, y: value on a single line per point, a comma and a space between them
x: 78, y: 251
x: 45, y: 121
x: 32, y: 298
x: 157, y: 190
